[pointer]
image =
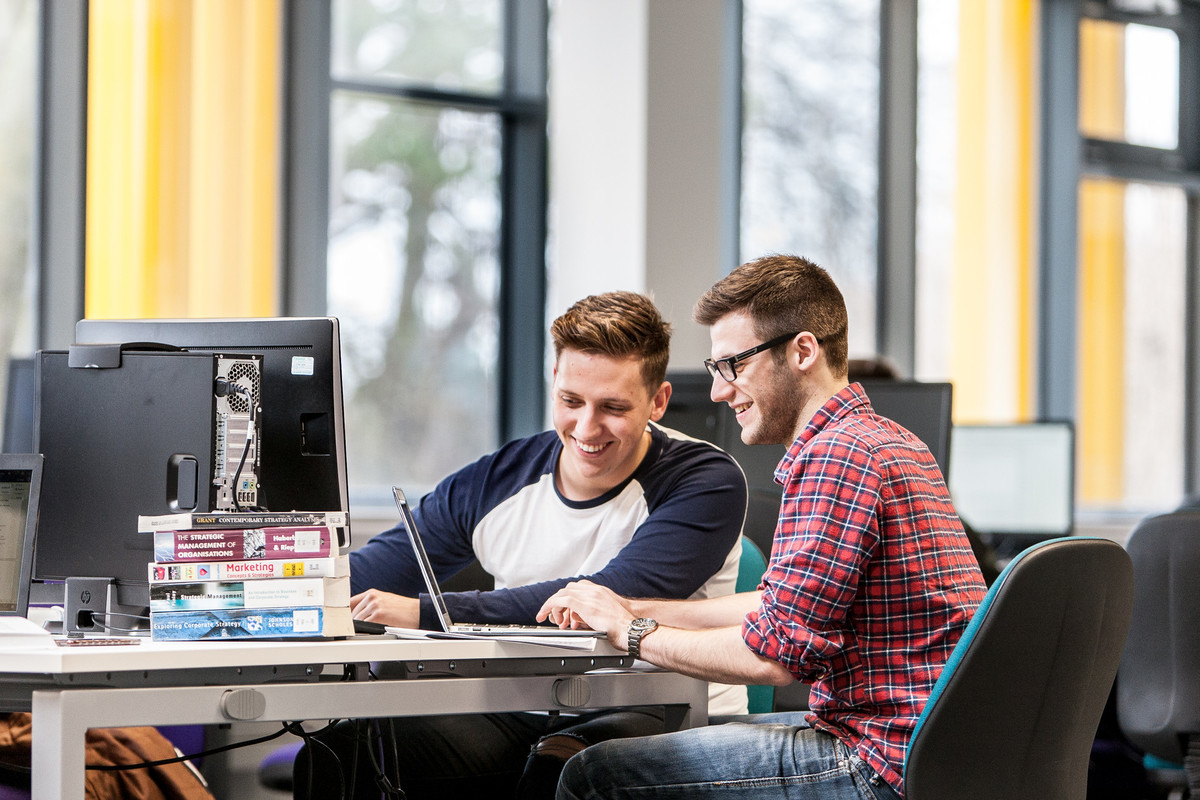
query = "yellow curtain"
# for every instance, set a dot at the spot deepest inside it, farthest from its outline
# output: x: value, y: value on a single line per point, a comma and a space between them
x: 183, y: 158
x: 993, y: 294
x: 1101, y: 352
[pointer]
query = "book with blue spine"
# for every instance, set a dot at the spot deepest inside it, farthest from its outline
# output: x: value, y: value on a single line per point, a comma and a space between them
x: 269, y: 593
x: 310, y: 622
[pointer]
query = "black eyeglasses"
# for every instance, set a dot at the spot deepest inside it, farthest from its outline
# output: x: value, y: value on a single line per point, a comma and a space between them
x: 727, y: 367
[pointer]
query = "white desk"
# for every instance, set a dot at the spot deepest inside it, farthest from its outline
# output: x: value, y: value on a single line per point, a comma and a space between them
x: 71, y: 689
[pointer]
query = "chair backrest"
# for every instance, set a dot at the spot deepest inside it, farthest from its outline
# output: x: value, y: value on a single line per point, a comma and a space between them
x: 1015, y: 711
x: 751, y: 566
x: 1158, y: 685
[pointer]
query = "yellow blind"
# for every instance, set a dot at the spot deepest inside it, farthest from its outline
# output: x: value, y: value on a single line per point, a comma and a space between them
x: 1101, y: 350
x: 183, y: 158
x: 993, y: 294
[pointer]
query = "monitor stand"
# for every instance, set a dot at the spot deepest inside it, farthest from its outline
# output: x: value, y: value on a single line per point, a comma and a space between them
x: 92, y: 606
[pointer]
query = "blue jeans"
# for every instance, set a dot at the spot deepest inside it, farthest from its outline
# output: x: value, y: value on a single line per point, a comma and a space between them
x: 763, y: 756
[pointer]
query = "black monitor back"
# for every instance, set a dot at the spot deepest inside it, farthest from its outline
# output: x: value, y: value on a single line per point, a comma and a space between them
x: 303, y: 448
x: 117, y: 443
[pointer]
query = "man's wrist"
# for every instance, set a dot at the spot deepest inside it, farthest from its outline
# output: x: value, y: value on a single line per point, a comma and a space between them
x: 636, y: 631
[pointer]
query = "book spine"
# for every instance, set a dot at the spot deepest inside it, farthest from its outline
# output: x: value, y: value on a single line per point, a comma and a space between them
x: 247, y: 623
x: 233, y: 519
x: 280, y: 593
x: 252, y: 543
x: 192, y: 571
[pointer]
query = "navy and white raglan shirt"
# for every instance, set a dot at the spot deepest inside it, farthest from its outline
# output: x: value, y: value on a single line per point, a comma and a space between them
x: 671, y: 530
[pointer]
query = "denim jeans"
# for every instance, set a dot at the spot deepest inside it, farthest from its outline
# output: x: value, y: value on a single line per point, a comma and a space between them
x: 764, y: 756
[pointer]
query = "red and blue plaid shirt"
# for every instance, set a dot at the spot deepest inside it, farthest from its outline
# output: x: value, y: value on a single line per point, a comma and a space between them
x: 871, y: 579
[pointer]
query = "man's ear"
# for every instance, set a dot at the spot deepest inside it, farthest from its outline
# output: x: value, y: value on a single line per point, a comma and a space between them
x: 808, y: 350
x: 658, y: 403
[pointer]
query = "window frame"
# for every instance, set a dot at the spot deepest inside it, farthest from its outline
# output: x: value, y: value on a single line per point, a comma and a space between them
x: 1067, y: 157
x: 60, y: 165
x: 522, y: 108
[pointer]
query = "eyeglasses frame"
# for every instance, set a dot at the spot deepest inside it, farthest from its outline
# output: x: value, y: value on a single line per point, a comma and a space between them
x: 714, y: 365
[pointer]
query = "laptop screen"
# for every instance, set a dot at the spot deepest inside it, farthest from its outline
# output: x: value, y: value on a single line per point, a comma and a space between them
x: 20, y: 485
x: 431, y: 584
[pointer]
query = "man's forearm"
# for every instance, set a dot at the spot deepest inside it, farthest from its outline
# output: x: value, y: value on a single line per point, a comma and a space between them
x: 716, y: 654
x: 713, y: 612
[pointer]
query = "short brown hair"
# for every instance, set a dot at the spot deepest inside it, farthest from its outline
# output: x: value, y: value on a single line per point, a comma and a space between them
x: 619, y: 325
x: 781, y: 294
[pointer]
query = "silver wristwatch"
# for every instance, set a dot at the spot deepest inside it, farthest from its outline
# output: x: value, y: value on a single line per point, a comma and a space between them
x: 638, y: 628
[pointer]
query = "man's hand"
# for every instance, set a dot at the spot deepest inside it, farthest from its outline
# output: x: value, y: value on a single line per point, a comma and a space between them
x: 387, y: 608
x: 585, y: 604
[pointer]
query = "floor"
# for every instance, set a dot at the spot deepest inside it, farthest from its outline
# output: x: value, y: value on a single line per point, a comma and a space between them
x: 233, y: 775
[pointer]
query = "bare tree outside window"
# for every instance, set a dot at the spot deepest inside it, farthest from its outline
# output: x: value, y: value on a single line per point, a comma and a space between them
x: 18, y: 61
x: 810, y: 142
x: 413, y: 271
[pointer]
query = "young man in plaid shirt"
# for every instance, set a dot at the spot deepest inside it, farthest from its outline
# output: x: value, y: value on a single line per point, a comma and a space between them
x: 870, y: 584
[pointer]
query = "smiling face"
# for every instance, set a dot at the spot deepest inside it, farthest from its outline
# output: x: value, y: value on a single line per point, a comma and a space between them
x: 600, y: 407
x: 766, y: 397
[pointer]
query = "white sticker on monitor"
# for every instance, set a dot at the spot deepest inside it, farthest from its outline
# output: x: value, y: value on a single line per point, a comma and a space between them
x: 302, y: 365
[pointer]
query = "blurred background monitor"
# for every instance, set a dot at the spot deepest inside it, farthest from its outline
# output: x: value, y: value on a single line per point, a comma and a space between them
x: 1015, y: 480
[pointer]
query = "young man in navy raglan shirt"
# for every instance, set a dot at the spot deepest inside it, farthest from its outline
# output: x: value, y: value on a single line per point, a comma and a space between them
x: 609, y: 496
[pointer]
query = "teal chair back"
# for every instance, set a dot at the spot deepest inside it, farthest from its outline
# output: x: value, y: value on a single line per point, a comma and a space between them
x: 1015, y: 711
x: 750, y: 571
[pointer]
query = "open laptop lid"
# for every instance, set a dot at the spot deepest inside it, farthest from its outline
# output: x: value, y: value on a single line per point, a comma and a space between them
x: 20, y: 498
x: 549, y: 632
x: 431, y: 584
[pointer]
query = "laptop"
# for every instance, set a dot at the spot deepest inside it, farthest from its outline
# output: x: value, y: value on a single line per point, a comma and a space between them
x: 439, y: 602
x: 20, y: 495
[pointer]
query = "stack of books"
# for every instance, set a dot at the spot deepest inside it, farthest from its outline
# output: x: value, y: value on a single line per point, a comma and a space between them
x: 237, y: 575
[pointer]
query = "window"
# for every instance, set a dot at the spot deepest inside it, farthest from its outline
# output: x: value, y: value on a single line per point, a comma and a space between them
x: 425, y: 119
x: 1132, y: 333
x: 975, y: 176
x: 1132, y: 399
x: 810, y: 142
x: 1138, y: 104
x: 18, y: 61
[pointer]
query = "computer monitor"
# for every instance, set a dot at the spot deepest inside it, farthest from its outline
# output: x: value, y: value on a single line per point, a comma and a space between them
x: 169, y: 411
x: 135, y: 437
x: 1015, y: 480
x: 20, y: 491
x: 303, y: 432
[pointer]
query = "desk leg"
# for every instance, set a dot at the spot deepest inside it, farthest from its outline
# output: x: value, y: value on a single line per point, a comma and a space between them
x: 58, y: 748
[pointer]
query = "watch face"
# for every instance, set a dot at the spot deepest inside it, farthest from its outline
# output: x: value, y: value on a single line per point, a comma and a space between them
x: 643, y: 624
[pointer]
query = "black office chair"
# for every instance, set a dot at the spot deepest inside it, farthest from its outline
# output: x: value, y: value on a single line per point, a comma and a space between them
x: 1015, y: 711
x: 1158, y: 688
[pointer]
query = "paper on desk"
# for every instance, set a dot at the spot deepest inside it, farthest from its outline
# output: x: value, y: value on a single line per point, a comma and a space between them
x: 565, y: 642
x: 21, y: 632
